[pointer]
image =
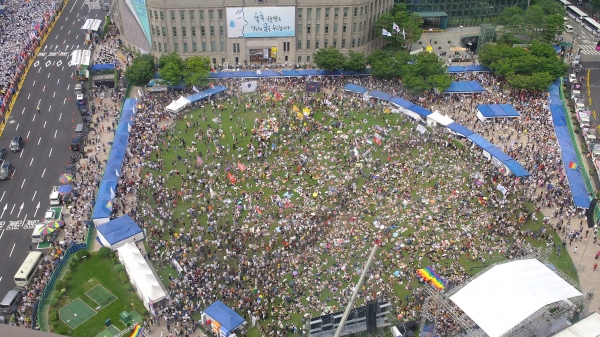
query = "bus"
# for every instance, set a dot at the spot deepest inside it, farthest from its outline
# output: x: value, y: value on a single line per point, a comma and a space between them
x: 576, y: 13
x: 28, y: 269
x: 591, y: 25
x: 565, y: 3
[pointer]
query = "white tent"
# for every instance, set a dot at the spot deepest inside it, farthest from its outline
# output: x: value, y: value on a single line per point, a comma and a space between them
x: 117, y: 232
x: 147, y: 286
x: 587, y: 327
x: 178, y: 105
x: 507, y: 294
x: 438, y: 118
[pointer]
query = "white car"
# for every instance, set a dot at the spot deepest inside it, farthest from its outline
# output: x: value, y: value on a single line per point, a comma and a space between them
x: 572, y: 78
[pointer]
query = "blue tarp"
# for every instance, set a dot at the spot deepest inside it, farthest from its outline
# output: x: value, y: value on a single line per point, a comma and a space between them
x: 467, y: 69
x: 355, y: 88
x: 380, y: 95
x: 577, y: 185
x: 119, y: 229
x: 227, y: 317
x: 464, y: 87
x: 497, y: 110
x: 420, y: 110
x: 401, y: 102
x: 458, y: 128
x: 205, y: 93
x: 104, y: 66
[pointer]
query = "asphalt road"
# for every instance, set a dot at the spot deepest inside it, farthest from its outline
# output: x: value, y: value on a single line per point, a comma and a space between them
x: 49, y: 83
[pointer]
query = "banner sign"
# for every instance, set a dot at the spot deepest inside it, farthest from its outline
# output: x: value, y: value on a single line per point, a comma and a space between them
x: 261, y: 21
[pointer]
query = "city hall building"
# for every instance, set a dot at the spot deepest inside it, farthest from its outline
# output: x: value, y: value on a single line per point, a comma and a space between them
x: 275, y: 31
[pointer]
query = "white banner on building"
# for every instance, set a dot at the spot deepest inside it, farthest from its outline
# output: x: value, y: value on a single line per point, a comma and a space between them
x: 249, y: 86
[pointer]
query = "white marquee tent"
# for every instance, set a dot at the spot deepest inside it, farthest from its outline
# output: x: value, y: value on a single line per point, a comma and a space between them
x: 438, y: 118
x: 178, y: 105
x: 140, y: 274
x: 507, y: 294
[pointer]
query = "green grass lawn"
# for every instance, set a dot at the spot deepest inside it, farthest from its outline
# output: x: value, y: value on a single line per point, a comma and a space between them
x: 323, y: 143
x: 85, y: 275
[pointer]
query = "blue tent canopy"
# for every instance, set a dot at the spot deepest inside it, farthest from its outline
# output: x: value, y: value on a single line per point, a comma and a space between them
x: 355, y: 88
x: 128, y: 110
x: 480, y: 141
x: 420, y: 110
x: 516, y: 168
x: 284, y: 73
x: 206, y: 93
x: 380, y: 95
x: 498, y: 154
x: 401, y: 102
x: 101, y: 209
x: 112, y: 172
x: 464, y: 87
x: 103, y: 66
x: 458, y: 128
x: 116, y: 156
x: 497, y: 110
x: 468, y: 69
x: 107, y: 188
x: 119, y: 229
x: 227, y: 317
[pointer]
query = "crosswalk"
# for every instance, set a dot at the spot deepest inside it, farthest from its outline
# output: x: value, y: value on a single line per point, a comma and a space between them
x: 588, y: 49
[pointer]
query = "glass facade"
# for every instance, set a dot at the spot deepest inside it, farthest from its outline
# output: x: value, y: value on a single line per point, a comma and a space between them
x: 462, y: 12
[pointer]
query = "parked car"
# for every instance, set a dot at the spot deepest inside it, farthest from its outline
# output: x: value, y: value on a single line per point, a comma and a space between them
x: 83, y: 110
x: 572, y: 78
x: 7, y: 170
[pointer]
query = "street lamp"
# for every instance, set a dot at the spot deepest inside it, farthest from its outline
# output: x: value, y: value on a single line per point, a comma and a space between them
x: 461, y: 27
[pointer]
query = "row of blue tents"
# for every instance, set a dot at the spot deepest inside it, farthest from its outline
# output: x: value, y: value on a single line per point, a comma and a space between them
x: 568, y: 150
x: 489, y: 148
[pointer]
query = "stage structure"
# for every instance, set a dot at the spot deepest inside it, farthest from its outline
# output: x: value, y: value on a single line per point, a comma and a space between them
x: 527, y: 296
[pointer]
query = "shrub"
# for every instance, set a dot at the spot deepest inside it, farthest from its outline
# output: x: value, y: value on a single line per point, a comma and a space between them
x: 81, y: 253
x: 73, y: 266
x: 128, y: 287
x: 59, y: 285
x: 53, y: 316
x: 53, y: 301
x: 119, y: 267
x: 122, y: 275
x: 104, y: 252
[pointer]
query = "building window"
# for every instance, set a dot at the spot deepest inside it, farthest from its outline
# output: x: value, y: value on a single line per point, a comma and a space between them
x: 360, y: 26
x: 299, y: 45
x: 354, y: 28
x: 202, y: 31
x: 201, y: 14
x: 182, y: 14
x: 164, y: 29
x: 308, y: 13
x: 204, y: 47
x: 335, y: 28
x: 160, y: 47
x: 326, y: 43
x: 326, y: 28
x: 353, y: 43
x: 193, y: 31
x: 154, y: 45
x: 299, y: 59
x: 210, y: 14
x: 212, y: 30
x: 361, y: 11
x: 222, y: 46
x: 162, y: 16
x: 355, y: 11
x: 344, y: 28
x: 183, y: 32
x: 307, y: 58
x: 308, y: 28
x: 318, y: 13
x: 300, y: 28
x: 214, y: 60
x: 222, y: 60
x: 358, y: 42
x: 318, y: 28
x: 300, y: 12
x: 194, y: 47
x: 191, y: 15
x: 185, y: 47
x: 234, y: 48
x: 326, y: 12
x: 221, y: 30
x: 175, y: 31
x: 336, y: 12
x: 172, y: 15
x: 155, y: 15
x: 307, y: 44
x: 335, y: 43
x: 220, y: 14
x: 153, y: 33
x: 345, y: 12
x: 317, y: 44
x: 343, y: 43
x: 166, y: 47
x: 212, y: 47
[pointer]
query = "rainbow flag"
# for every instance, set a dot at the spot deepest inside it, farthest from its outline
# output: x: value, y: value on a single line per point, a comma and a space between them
x: 430, y: 276
x: 137, y: 331
x: 572, y: 165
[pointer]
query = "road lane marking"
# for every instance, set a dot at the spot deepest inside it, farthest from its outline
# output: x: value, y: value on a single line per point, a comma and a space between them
x: 13, y: 208
x: 31, y: 161
x: 50, y: 152
x: 39, y: 70
x: 46, y: 66
x: 54, y: 94
x: 61, y: 27
x: 65, y: 101
x: 42, y: 174
x: 57, y: 82
x: 1, y: 238
x: 40, y: 101
x: 13, y: 248
x: 34, y: 82
x: 55, y: 131
x: 3, y: 195
x: 68, y: 86
x: 28, y: 134
x: 22, y: 112
x: 39, y: 140
x: 59, y: 116
x: 50, y: 108
x: 69, y: 32
x: 44, y: 124
x: 23, y: 184
x: 34, y: 193
x: 28, y: 98
x: 17, y: 128
x: 56, y: 38
x: 33, y: 118
x: 21, y: 153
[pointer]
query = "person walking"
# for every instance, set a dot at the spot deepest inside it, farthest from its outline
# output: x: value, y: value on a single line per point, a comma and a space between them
x: 38, y: 109
x: 575, y: 250
x: 595, y: 266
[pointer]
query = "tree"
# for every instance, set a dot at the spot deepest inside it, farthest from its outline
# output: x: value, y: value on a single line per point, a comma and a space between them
x: 512, y: 21
x: 424, y: 73
x: 534, y: 20
x: 356, y: 61
x: 409, y: 23
x: 197, y: 69
x: 329, y: 59
x: 171, y: 74
x: 170, y: 58
x: 140, y: 72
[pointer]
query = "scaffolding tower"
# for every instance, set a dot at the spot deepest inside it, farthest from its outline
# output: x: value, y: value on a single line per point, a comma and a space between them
x: 487, y: 33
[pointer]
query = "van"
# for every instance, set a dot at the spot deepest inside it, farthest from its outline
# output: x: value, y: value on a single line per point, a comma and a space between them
x: 78, y: 88
x: 36, y: 236
x: 79, y: 130
x: 569, y: 29
x: 54, y: 198
x: 11, y: 301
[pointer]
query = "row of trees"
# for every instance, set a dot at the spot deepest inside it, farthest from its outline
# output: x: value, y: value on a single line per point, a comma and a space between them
x: 541, y: 22
x: 172, y: 70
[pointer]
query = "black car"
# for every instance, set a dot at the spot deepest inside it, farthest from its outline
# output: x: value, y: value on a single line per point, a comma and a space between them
x: 83, y: 110
x: 70, y: 169
x: 16, y: 144
x: 6, y: 171
x: 76, y: 143
x: 2, y: 153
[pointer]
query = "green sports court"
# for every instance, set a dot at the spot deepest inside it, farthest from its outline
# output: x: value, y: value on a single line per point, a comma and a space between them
x: 100, y: 295
x: 76, y: 313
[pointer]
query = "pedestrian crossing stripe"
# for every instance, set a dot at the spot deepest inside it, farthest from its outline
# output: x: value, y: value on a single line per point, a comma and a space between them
x: 589, y: 50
